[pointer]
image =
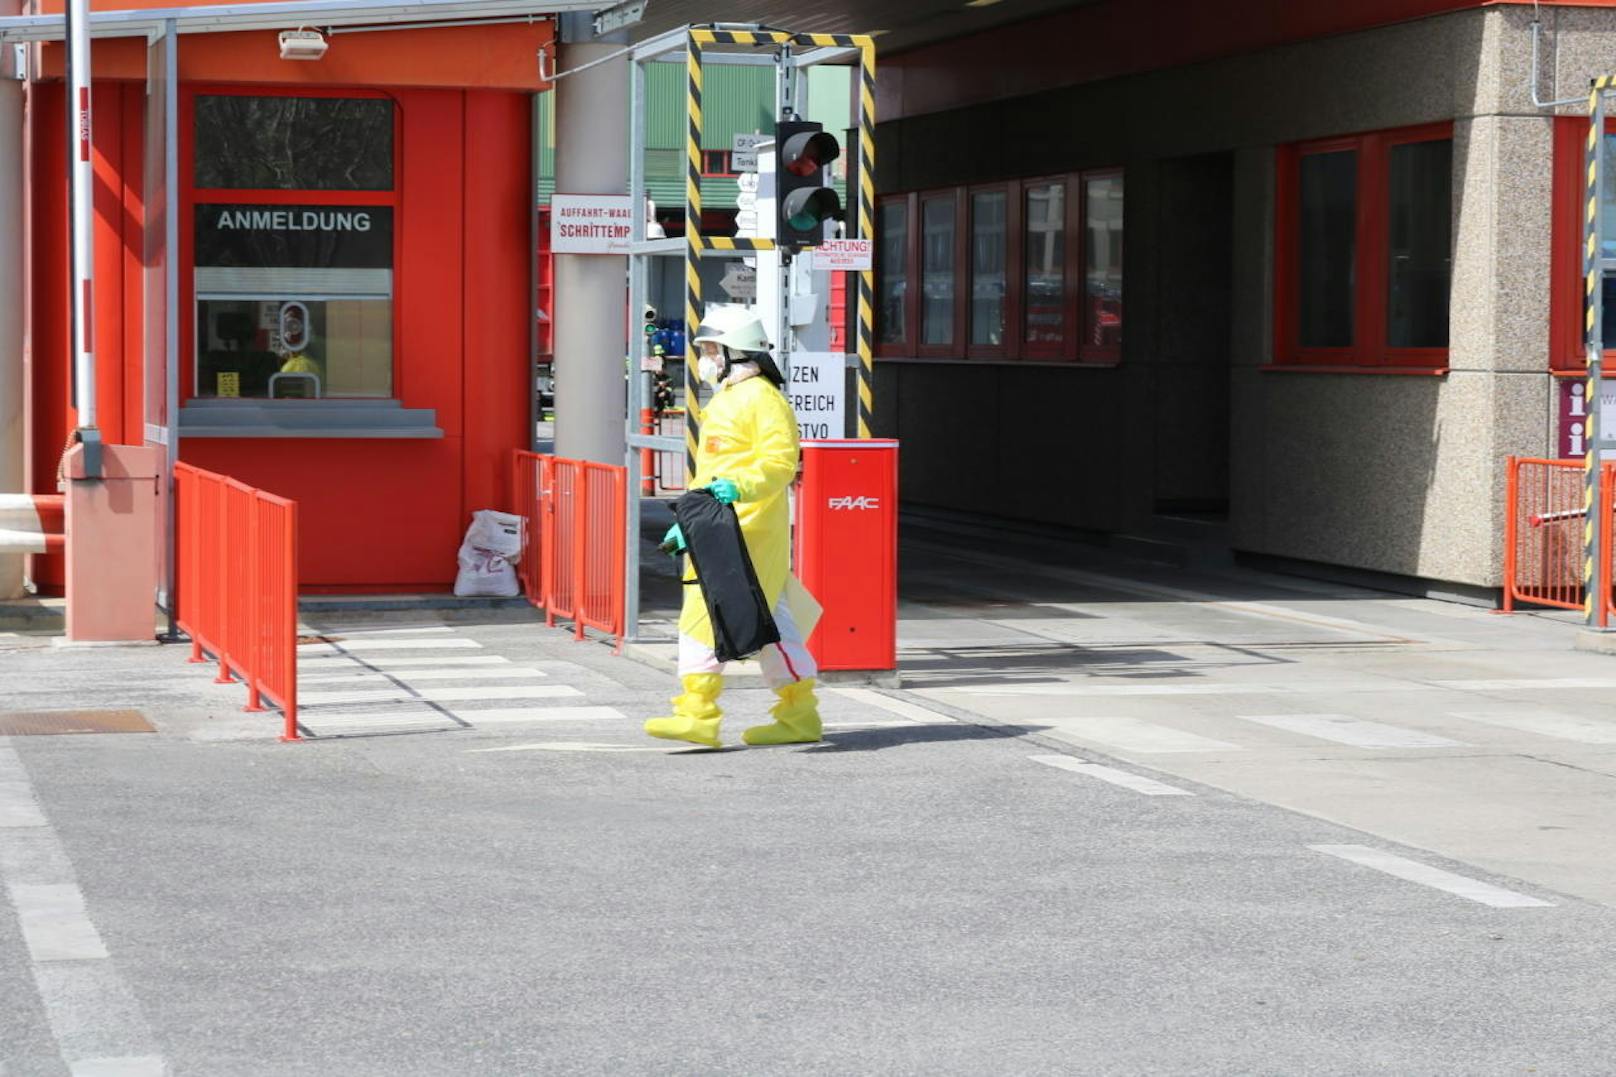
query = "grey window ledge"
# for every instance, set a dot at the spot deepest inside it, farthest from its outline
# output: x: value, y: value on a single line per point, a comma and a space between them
x: 228, y: 418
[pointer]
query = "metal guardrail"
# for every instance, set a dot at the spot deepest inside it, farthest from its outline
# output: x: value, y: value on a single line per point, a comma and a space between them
x: 573, y: 563
x: 236, y: 592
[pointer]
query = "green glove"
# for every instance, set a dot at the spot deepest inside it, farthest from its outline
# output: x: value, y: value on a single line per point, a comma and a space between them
x: 725, y: 491
x: 673, y: 543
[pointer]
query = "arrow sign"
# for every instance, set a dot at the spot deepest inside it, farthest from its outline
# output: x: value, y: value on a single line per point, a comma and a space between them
x: 739, y: 281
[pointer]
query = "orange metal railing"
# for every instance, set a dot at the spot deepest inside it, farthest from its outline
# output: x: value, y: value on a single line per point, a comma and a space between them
x: 573, y: 563
x: 1544, y: 533
x: 236, y: 591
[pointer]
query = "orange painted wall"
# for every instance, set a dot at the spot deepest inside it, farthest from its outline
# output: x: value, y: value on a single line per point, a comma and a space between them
x: 377, y: 515
x: 503, y: 57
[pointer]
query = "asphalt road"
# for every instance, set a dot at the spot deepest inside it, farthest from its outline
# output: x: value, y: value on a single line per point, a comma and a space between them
x: 962, y: 879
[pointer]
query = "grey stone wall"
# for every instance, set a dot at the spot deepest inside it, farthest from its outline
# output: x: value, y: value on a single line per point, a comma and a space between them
x: 1399, y: 474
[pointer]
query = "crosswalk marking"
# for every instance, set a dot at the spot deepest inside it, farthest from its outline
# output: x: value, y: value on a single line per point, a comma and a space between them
x: 331, y: 723
x: 1343, y: 729
x: 361, y: 676
x: 1548, y: 724
x: 323, y: 663
x: 1141, y: 689
x: 386, y: 644
x: 1138, y: 783
x: 1426, y: 875
x: 1132, y: 735
x: 398, y: 630
x: 584, y: 746
x: 902, y: 708
x: 537, y: 715
x: 439, y: 694
x: 1530, y: 683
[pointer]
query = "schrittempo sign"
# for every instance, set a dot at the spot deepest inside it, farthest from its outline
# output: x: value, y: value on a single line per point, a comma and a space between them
x: 590, y: 223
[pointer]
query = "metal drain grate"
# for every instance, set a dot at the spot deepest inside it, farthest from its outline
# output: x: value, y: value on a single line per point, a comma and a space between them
x: 45, y: 723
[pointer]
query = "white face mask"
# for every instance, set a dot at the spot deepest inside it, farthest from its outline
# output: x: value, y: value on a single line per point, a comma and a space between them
x: 708, y: 369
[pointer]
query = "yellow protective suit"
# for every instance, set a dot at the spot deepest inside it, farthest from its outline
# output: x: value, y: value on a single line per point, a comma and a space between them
x: 749, y: 436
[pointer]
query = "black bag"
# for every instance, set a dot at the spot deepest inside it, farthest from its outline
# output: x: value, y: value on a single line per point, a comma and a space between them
x: 742, y: 623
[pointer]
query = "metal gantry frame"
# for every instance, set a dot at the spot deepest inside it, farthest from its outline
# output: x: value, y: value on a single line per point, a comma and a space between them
x: 698, y: 46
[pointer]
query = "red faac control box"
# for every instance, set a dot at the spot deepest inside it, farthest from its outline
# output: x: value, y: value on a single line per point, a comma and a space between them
x: 847, y: 550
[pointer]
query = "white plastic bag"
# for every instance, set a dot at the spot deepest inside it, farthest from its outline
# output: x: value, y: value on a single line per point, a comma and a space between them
x: 496, y: 532
x: 485, y: 573
x: 492, y: 542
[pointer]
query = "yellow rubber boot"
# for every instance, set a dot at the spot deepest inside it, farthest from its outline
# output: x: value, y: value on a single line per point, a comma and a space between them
x: 695, y: 715
x: 796, y: 718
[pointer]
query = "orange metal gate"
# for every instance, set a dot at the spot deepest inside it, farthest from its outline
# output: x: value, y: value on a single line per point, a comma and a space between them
x: 574, y: 562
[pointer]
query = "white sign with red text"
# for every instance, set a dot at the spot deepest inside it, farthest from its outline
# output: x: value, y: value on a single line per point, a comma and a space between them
x: 856, y: 255
x: 590, y: 223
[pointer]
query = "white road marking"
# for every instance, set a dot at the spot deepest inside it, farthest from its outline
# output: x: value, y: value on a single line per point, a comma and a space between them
x: 374, y: 721
x: 1548, y: 724
x: 537, y: 715
x: 1529, y: 684
x: 1132, y: 735
x: 1070, y: 688
x: 1425, y: 874
x: 326, y: 662
x: 95, y: 1020
x: 408, y: 630
x: 356, y: 645
x: 18, y: 808
x: 1342, y: 729
x: 359, y: 677
x: 584, y: 746
x: 54, y: 923
x: 1138, y: 783
x: 876, y: 724
x: 144, y: 1066
x: 902, y: 708
x: 438, y: 694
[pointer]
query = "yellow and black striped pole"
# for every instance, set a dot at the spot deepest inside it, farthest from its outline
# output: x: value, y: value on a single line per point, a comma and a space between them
x: 866, y: 230
x: 692, y: 252
x: 1593, y: 275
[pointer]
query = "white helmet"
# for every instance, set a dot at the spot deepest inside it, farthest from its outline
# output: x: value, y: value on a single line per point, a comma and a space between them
x: 733, y: 327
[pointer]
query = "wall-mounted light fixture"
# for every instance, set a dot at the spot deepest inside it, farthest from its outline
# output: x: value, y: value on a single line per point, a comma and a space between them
x: 303, y: 44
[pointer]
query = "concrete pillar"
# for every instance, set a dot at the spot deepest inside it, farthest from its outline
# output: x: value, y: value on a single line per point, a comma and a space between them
x: 12, y: 443
x: 591, y: 290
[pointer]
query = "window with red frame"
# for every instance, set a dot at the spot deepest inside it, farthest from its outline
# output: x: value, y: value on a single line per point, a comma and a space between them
x: 291, y: 240
x: 1364, y: 250
x: 1568, y: 351
x: 717, y: 164
x: 1020, y: 269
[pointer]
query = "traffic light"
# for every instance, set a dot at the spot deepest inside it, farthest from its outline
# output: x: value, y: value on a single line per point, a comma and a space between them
x: 802, y: 201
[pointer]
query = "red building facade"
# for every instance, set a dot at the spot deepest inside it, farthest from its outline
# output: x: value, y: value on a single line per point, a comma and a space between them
x: 354, y: 280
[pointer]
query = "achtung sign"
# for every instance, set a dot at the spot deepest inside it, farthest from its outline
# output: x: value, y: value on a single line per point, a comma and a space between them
x: 590, y: 223
x: 845, y: 254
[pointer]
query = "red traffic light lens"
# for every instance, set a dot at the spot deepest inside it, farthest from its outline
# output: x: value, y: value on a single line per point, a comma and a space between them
x: 808, y: 151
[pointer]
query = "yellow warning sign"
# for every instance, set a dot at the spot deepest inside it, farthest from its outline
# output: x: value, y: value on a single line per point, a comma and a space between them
x: 229, y: 383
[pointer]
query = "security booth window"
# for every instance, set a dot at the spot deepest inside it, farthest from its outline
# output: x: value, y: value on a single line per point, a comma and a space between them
x: 939, y: 226
x: 1044, y: 246
x: 294, y: 292
x: 1329, y: 213
x: 892, y: 271
x: 1420, y: 262
x: 1363, y: 250
x: 989, y: 241
x: 1102, y: 266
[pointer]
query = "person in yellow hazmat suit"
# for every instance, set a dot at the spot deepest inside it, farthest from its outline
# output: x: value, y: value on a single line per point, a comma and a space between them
x: 747, y: 457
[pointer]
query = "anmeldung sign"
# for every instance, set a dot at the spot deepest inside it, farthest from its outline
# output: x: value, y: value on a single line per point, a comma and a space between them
x: 817, y: 388
x: 743, y: 151
x: 857, y: 255
x: 305, y: 237
x: 590, y: 223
